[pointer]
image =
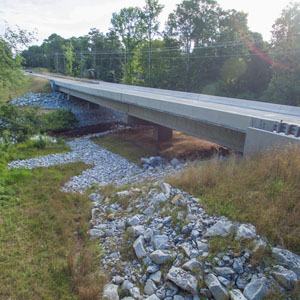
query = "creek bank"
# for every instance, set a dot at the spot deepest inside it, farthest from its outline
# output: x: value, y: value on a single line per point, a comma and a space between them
x: 156, y: 243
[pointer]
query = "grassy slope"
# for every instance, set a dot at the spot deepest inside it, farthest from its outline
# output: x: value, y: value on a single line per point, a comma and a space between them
x: 125, y: 148
x: 263, y: 190
x: 45, y: 252
x: 31, y: 84
x: 25, y: 150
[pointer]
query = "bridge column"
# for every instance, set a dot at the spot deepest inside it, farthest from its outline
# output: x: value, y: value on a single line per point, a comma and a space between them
x: 161, y: 133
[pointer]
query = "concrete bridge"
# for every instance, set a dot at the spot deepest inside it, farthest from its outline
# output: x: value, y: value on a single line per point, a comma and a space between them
x: 242, y: 125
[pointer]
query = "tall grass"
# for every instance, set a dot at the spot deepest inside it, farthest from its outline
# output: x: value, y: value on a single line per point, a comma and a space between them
x: 263, y: 190
x: 28, y: 84
x: 45, y: 251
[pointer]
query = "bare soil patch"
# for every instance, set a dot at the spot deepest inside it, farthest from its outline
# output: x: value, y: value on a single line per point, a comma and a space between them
x: 181, y: 146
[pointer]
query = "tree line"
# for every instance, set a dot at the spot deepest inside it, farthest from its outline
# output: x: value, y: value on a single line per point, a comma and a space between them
x: 203, y: 49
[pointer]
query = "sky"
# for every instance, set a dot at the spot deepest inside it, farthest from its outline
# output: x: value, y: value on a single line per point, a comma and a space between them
x: 75, y: 17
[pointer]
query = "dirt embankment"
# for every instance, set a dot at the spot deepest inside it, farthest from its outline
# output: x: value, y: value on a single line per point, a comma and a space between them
x: 181, y: 146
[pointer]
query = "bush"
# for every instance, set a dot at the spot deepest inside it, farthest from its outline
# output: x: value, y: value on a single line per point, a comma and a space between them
x: 17, y: 125
x: 58, y: 120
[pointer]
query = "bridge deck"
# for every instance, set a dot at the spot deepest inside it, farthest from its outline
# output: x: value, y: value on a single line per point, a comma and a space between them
x: 170, y: 108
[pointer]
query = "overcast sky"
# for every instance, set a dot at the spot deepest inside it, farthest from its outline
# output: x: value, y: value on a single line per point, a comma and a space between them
x: 75, y: 17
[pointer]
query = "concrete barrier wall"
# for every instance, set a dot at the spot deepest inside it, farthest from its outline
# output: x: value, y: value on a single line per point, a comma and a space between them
x: 259, y: 140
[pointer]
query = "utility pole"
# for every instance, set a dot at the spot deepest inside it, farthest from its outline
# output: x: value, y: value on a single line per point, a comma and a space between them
x: 64, y: 64
x: 125, y: 66
x: 81, y: 64
x: 95, y: 62
x: 56, y: 61
x: 150, y: 64
x: 150, y: 45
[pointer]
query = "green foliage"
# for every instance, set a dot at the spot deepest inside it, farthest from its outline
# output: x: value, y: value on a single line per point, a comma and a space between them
x: 129, y: 26
x: 150, y: 14
x: 58, y: 120
x: 44, y: 248
x: 203, y: 49
x: 68, y: 54
x: 17, y: 125
x: 10, y: 61
x: 10, y: 69
x: 284, y: 86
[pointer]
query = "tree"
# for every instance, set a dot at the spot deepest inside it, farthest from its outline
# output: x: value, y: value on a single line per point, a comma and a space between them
x: 69, y: 57
x: 17, y: 37
x: 150, y: 15
x: 97, y: 44
x: 129, y: 26
x: 10, y: 61
x: 284, y: 86
x: 194, y: 22
x: 53, y: 47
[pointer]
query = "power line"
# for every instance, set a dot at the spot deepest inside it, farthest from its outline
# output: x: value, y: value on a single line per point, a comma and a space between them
x: 202, y: 56
x: 176, y: 48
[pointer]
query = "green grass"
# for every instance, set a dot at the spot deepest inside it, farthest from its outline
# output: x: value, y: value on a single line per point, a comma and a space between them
x: 45, y: 252
x: 31, y: 84
x: 262, y: 190
x: 125, y: 148
x: 28, y: 150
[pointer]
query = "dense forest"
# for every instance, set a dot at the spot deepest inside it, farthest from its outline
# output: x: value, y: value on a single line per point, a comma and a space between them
x: 203, y: 49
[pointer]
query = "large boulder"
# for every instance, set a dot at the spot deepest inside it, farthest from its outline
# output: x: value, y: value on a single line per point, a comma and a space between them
x: 221, y: 228
x: 183, y: 279
x: 236, y: 295
x: 216, y: 288
x: 246, y: 231
x: 160, y: 242
x: 285, y: 277
x: 150, y: 287
x: 257, y: 289
x: 287, y: 259
x: 138, y: 247
x: 110, y: 292
x: 161, y: 256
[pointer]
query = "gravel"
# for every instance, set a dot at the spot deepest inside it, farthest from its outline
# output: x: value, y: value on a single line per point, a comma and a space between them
x: 107, y: 167
x: 157, y: 246
x: 80, y: 108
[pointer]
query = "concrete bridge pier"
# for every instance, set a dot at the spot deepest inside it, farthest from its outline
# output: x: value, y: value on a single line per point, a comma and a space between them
x: 160, y: 133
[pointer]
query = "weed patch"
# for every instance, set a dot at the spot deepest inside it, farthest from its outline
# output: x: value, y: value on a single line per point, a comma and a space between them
x: 263, y: 190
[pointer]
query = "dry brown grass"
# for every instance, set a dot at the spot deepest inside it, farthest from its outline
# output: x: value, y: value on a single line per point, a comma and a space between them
x: 263, y: 190
x: 87, y: 284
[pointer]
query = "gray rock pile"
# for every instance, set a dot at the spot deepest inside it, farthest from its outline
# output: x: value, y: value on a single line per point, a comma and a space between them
x: 80, y: 108
x: 157, y: 242
x: 107, y: 166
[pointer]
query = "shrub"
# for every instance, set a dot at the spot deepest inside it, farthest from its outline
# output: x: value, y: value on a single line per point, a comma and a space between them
x: 58, y: 120
x: 17, y: 125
